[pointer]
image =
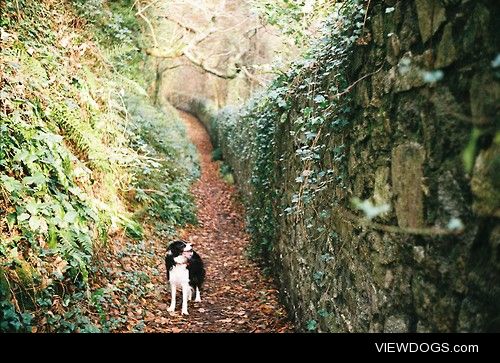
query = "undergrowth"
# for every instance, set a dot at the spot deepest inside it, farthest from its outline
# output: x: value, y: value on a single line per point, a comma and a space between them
x: 80, y: 146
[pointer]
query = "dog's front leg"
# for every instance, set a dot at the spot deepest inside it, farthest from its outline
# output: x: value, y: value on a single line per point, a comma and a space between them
x: 173, y: 290
x: 185, y: 292
x: 198, y: 297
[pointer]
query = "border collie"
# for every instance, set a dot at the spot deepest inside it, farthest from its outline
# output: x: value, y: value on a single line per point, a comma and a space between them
x: 184, y: 269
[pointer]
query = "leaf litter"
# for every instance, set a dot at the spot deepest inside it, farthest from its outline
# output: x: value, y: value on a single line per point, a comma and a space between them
x: 236, y: 296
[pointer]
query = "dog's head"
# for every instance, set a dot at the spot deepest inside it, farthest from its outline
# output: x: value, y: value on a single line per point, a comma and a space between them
x: 180, y: 250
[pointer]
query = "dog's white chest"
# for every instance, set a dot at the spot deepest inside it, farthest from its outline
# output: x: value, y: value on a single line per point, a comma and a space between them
x: 179, y: 275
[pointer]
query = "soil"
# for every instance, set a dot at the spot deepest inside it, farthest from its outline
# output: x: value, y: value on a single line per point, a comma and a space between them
x: 236, y: 296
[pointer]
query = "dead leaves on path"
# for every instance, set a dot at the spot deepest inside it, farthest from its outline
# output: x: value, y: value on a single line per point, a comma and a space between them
x: 236, y: 297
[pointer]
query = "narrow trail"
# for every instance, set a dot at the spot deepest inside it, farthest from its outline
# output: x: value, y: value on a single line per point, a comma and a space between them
x: 236, y: 297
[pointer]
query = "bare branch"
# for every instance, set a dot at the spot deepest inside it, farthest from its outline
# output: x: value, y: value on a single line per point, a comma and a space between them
x: 182, y: 25
x: 348, y: 89
x: 144, y: 8
x: 190, y: 52
x: 423, y: 231
x: 199, y: 62
x: 139, y: 12
x: 201, y: 37
x: 252, y: 77
x: 159, y: 53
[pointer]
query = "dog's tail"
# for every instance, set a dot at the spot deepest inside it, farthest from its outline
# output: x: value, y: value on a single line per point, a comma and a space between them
x: 196, y: 271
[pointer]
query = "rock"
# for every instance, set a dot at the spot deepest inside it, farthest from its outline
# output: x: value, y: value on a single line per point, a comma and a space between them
x: 407, y: 174
x: 476, y: 30
x: 450, y: 196
x: 446, y: 51
x: 484, y: 99
x: 470, y: 317
x: 378, y: 27
x: 495, y: 246
x: 393, y: 49
x: 431, y: 14
x: 409, y: 33
x: 422, y: 328
x: 396, y: 324
x: 381, y: 84
x: 388, y: 279
x: 409, y: 70
x: 361, y: 94
x: 418, y: 253
x: 382, y: 190
x: 485, y: 183
x: 375, y: 327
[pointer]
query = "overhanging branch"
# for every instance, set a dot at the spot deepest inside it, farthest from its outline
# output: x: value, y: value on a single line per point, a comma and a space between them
x: 199, y: 63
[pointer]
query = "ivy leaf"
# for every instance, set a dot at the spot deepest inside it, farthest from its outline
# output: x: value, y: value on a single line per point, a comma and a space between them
x: 11, y: 184
x: 318, y: 275
x: 32, y: 208
x: 312, y: 325
x: 310, y: 135
x: 40, y: 222
x: 37, y: 179
x: 432, y: 77
x: 21, y: 155
x: 455, y: 224
x: 496, y: 62
x: 369, y: 209
x: 319, y: 99
x: 23, y: 217
x: 34, y: 223
x: 323, y: 313
x: 11, y: 220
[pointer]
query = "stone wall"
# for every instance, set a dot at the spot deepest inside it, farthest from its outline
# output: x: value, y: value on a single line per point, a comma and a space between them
x: 424, y: 142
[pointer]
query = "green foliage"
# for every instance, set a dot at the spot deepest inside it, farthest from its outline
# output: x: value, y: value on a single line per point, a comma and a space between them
x: 314, y: 93
x: 217, y: 154
x: 227, y: 173
x: 83, y: 136
x: 312, y: 325
x: 295, y: 18
x: 44, y: 198
x: 470, y: 152
x: 166, y: 168
x: 10, y: 319
x: 72, y: 137
x: 114, y: 24
x: 116, y: 28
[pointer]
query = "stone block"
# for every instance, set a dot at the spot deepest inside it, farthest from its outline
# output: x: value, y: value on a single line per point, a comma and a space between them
x: 431, y: 14
x: 407, y: 175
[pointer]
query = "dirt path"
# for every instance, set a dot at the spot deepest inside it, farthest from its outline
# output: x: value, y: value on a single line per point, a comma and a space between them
x: 236, y: 296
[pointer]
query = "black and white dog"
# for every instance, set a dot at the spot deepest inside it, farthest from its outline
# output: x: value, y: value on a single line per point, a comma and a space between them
x: 184, y: 269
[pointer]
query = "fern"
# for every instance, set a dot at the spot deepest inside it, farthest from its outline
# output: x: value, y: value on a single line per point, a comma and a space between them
x: 82, y: 135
